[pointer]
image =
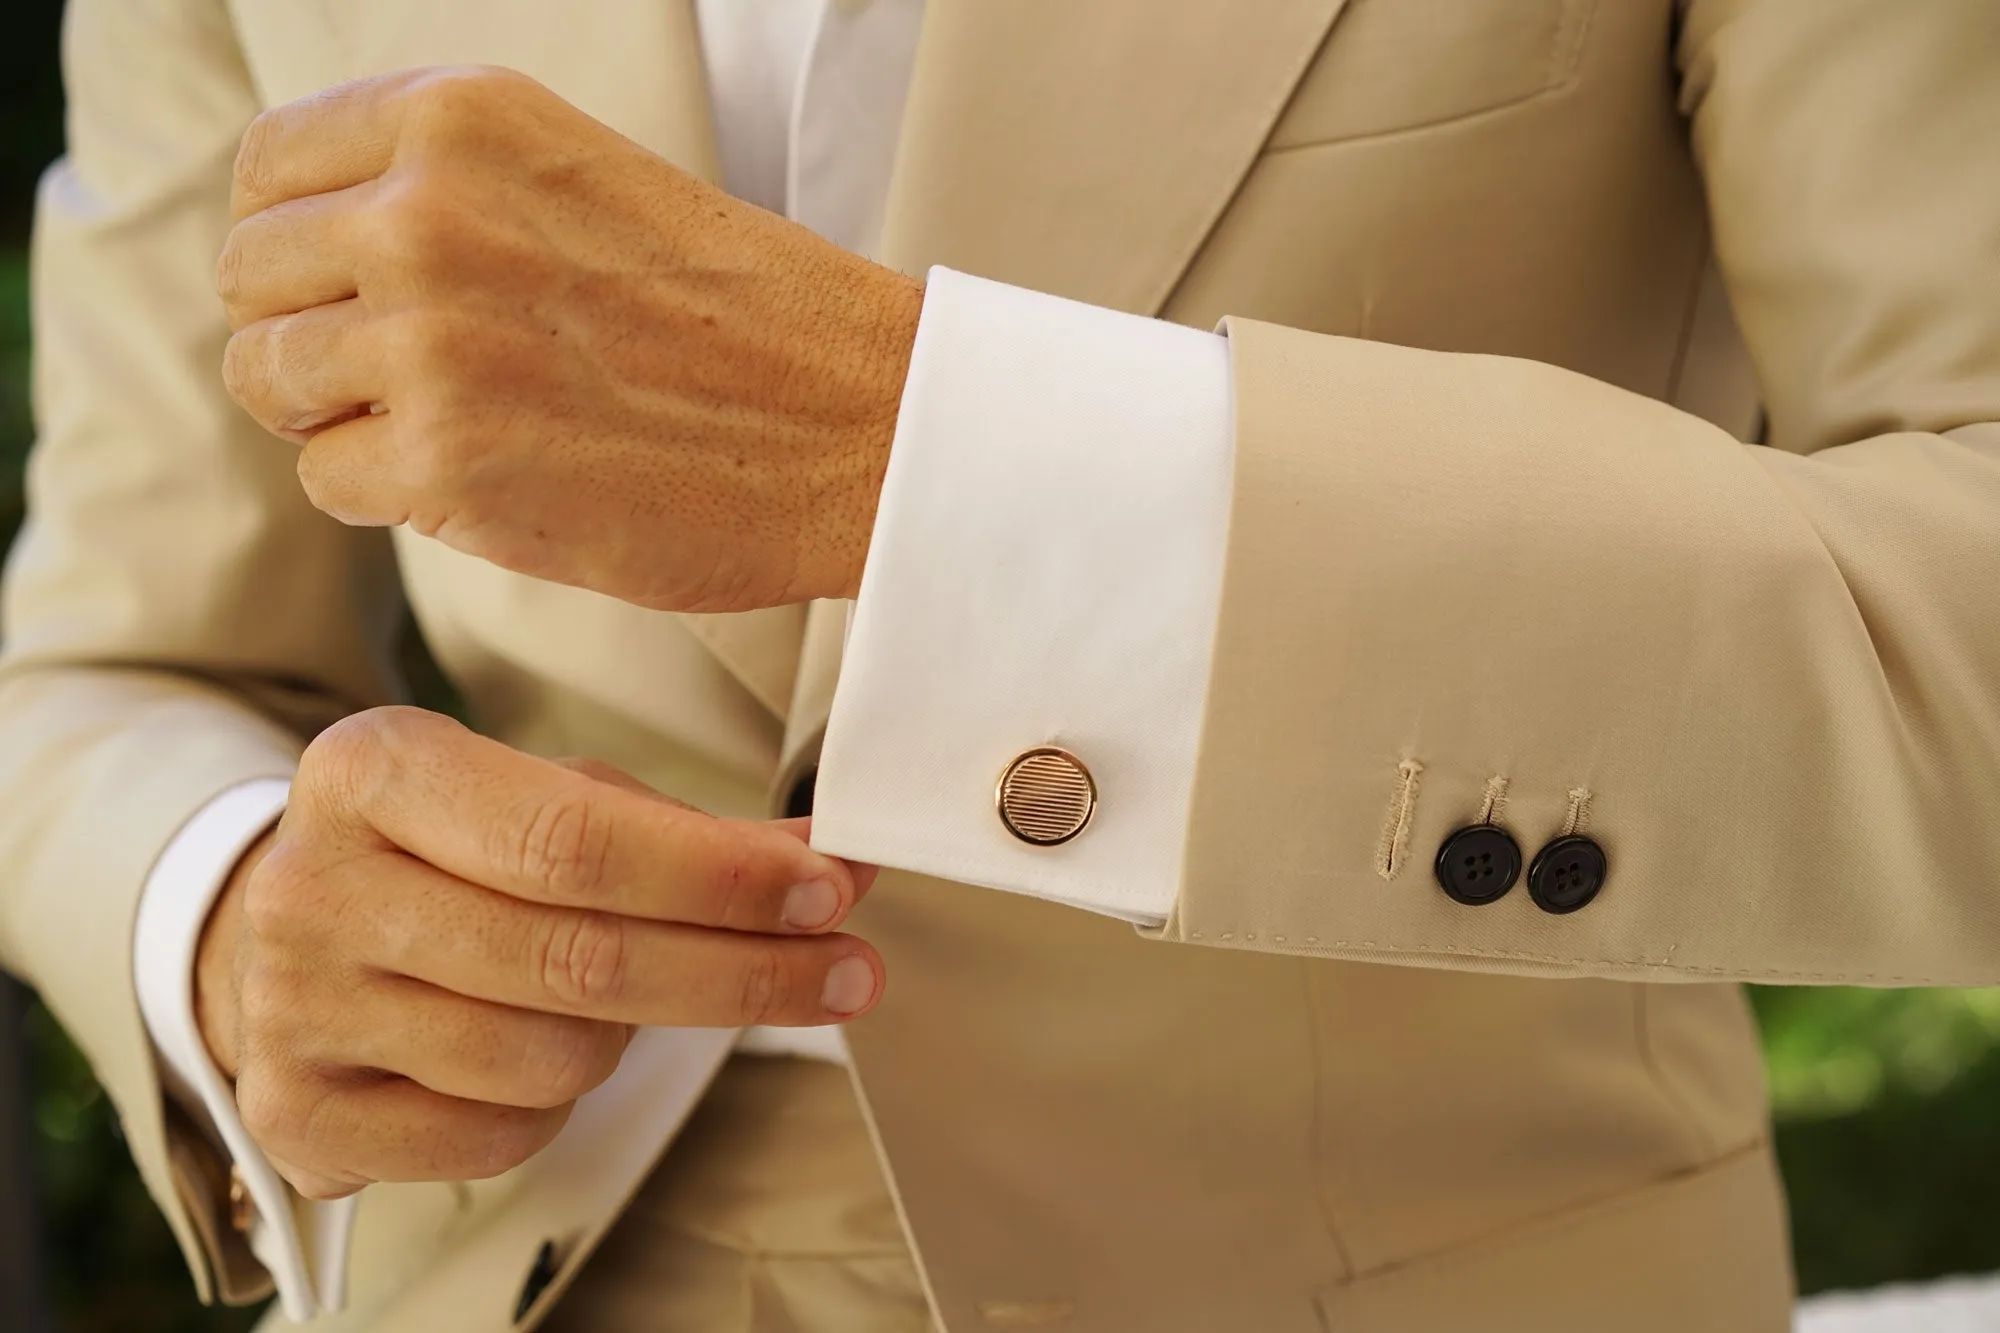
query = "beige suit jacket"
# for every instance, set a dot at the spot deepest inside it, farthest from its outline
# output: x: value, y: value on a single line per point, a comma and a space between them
x: 1494, y: 520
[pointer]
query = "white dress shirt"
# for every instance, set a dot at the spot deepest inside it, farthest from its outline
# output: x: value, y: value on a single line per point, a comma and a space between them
x: 1105, y: 436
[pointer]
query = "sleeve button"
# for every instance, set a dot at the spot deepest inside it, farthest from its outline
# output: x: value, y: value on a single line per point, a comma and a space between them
x: 1567, y: 874
x: 1478, y: 864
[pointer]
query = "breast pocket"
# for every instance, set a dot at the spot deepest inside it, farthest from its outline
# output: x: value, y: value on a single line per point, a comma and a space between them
x: 1404, y: 64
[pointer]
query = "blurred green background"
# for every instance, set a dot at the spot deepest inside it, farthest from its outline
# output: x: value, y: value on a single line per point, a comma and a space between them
x: 1888, y: 1103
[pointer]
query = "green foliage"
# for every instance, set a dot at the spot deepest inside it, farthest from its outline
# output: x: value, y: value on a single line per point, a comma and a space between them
x: 1886, y: 1103
x: 1833, y: 1053
x: 30, y: 106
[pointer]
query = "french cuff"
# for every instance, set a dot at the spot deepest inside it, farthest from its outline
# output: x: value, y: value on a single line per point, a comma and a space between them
x: 1045, y: 572
x: 302, y: 1244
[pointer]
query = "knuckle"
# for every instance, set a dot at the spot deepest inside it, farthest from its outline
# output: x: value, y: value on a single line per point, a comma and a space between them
x: 441, y: 371
x: 274, y: 1108
x: 344, y: 763
x: 347, y: 745
x: 355, y: 762
x: 417, y: 220
x: 566, y: 846
x: 253, y: 170
x: 246, y: 371
x: 431, y: 343
x: 274, y: 905
x: 289, y: 350
x: 266, y: 997
x: 230, y: 274
x: 511, y: 1138
x: 562, y: 1061
x: 459, y: 95
x: 317, y: 481
x: 583, y: 959
x: 765, y: 985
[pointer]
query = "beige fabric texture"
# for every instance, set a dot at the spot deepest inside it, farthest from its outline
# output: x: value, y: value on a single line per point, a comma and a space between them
x: 770, y: 1216
x: 1484, y: 265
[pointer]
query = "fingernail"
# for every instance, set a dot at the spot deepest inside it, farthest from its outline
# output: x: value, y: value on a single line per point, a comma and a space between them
x: 850, y: 985
x: 811, y: 905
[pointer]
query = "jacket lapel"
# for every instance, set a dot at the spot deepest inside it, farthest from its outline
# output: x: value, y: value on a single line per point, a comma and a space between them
x: 1081, y: 147
x: 1086, y: 147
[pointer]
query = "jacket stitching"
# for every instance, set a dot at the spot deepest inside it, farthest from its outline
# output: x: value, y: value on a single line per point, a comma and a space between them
x: 1315, y: 944
x: 1389, y: 854
x: 1578, y: 818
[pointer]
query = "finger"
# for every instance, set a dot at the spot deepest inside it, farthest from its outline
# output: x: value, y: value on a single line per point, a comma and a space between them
x: 292, y: 256
x: 463, y: 1047
x: 533, y: 829
x: 412, y: 920
x: 350, y: 471
x: 864, y: 874
x: 331, y: 1135
x: 335, y: 138
x: 800, y: 828
x: 296, y: 373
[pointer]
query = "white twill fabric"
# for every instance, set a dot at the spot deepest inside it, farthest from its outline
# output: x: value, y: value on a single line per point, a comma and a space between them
x: 1094, y: 507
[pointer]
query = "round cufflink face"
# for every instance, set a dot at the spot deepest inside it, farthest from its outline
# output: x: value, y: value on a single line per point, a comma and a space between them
x: 1567, y: 874
x: 1045, y: 796
x: 1478, y: 864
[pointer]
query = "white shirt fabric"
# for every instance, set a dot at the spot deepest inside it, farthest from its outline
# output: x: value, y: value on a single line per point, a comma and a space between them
x: 1105, y: 436
x: 1046, y: 569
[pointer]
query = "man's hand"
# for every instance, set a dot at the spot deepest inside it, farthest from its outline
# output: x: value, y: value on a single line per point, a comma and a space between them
x: 489, y: 316
x: 445, y: 942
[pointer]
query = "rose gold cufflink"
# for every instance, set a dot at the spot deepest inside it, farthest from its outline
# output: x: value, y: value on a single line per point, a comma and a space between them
x: 1046, y: 796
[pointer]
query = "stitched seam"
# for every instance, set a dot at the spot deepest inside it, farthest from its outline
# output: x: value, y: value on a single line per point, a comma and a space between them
x: 1494, y: 804
x: 1396, y: 827
x: 1578, y: 817
x: 1315, y: 945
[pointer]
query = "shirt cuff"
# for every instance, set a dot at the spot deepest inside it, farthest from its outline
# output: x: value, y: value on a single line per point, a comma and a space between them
x: 1045, y: 570
x: 173, y: 907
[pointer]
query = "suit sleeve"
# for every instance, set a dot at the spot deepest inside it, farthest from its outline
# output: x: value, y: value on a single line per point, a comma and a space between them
x: 176, y: 617
x: 1763, y: 681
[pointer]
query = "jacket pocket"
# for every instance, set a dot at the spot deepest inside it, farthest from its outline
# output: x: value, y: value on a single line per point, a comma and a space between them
x: 1705, y: 1250
x: 1403, y: 64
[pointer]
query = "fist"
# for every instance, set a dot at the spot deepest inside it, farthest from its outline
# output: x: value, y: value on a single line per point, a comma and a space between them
x: 445, y: 943
x: 488, y: 316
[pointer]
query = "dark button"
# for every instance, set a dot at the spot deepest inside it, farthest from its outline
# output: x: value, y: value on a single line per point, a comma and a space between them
x: 799, y: 801
x: 1567, y: 874
x: 1478, y: 864
x: 542, y: 1272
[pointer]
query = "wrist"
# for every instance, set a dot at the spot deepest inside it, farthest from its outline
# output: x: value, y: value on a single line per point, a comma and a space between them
x: 216, y: 987
x: 850, y: 490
